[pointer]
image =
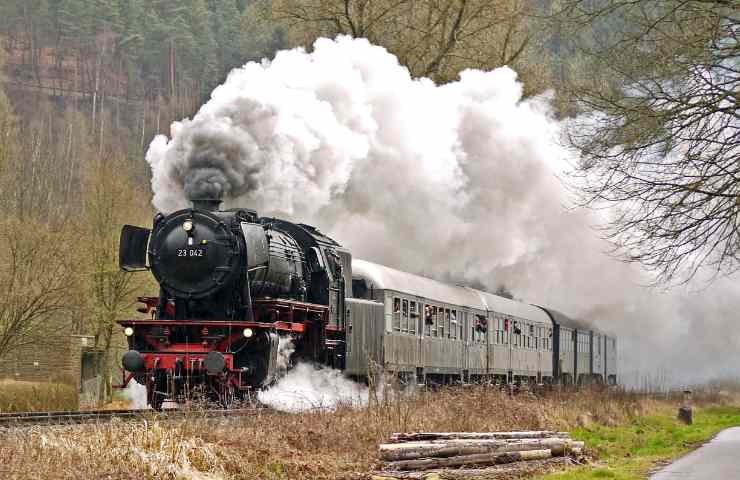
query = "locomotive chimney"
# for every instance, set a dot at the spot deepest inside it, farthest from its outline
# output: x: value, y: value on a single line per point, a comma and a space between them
x: 210, y: 204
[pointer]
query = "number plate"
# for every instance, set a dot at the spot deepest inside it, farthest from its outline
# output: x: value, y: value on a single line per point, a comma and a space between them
x: 191, y: 252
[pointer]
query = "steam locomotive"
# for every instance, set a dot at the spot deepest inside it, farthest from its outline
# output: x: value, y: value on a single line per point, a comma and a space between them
x: 234, y: 287
x: 231, y: 284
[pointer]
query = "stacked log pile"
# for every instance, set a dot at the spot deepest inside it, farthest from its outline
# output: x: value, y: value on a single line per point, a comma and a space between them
x: 424, y: 451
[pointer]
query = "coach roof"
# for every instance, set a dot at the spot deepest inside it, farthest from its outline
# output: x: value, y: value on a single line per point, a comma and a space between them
x: 503, y: 305
x: 573, y: 323
x: 386, y: 278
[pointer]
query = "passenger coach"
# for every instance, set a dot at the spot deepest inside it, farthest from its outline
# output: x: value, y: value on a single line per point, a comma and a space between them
x: 430, y: 331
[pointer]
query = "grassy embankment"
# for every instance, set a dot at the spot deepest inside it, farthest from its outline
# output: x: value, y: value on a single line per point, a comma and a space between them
x: 632, y: 450
x: 18, y: 396
x: 343, y: 444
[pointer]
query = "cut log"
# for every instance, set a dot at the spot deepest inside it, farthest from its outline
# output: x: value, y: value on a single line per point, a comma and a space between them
x: 452, y: 448
x: 410, y: 437
x: 476, y: 459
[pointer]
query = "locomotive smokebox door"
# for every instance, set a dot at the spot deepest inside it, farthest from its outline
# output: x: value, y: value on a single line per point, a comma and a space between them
x: 132, y: 248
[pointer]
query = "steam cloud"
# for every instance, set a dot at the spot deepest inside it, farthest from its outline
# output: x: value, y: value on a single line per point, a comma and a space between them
x: 286, y: 347
x: 136, y: 395
x: 457, y: 181
x: 308, y: 387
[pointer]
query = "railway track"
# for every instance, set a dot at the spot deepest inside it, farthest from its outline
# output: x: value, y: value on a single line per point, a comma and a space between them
x: 10, y: 420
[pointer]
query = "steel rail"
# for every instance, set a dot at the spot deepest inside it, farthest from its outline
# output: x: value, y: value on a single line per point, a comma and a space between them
x: 75, y: 417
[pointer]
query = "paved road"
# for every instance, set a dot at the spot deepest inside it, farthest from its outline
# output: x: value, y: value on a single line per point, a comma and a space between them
x: 718, y: 459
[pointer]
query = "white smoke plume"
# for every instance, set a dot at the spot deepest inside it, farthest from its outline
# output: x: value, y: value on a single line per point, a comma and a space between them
x: 286, y: 347
x: 457, y: 181
x: 309, y: 387
x: 136, y: 395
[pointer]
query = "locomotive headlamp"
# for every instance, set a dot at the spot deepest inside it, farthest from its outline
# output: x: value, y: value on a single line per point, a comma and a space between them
x: 128, y: 331
x: 187, y: 225
x: 248, y: 333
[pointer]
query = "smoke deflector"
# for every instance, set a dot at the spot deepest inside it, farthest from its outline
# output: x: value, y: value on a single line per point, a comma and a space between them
x: 133, y: 248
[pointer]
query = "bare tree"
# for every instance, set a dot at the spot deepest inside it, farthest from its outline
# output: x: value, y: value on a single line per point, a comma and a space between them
x: 108, y: 204
x: 35, y: 273
x: 660, y: 136
x: 35, y: 281
x: 433, y: 38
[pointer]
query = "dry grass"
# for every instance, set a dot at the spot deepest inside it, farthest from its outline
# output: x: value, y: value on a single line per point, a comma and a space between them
x: 270, y: 445
x: 18, y: 396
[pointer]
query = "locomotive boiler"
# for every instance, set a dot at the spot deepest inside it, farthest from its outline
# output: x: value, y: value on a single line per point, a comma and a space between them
x: 234, y: 288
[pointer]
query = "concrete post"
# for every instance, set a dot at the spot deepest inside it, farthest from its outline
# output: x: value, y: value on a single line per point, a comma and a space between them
x: 685, y: 412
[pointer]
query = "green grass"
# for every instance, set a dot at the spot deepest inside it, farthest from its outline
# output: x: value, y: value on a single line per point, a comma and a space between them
x: 630, y: 451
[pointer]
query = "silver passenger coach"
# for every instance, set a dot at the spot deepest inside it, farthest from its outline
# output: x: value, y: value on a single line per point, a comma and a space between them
x: 430, y: 331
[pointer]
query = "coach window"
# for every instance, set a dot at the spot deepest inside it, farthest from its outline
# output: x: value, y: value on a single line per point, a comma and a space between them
x: 453, y: 324
x: 405, y: 316
x: 435, y: 324
x: 463, y: 323
x: 441, y: 322
x: 446, y: 321
x: 532, y: 339
x: 428, y: 319
x: 396, y: 314
x: 413, y: 318
x: 519, y: 336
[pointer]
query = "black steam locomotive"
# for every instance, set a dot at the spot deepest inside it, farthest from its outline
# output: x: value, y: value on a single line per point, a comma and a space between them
x: 232, y: 284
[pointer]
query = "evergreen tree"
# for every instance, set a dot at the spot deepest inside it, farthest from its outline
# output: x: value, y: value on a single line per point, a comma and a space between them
x: 203, y: 58
x: 227, y: 28
x: 131, y: 41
